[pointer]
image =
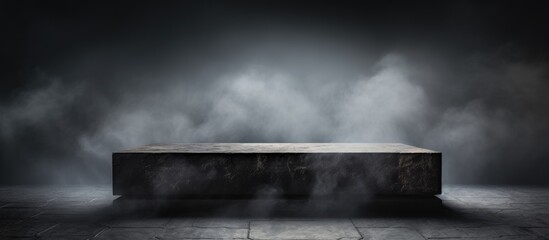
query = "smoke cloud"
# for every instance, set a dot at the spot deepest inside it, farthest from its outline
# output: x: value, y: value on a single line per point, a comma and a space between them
x: 208, y: 78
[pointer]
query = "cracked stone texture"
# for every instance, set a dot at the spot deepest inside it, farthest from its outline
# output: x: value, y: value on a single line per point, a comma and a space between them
x: 251, y: 169
x: 467, y: 212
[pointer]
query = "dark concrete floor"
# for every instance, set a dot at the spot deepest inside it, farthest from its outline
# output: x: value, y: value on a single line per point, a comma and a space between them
x: 480, y: 212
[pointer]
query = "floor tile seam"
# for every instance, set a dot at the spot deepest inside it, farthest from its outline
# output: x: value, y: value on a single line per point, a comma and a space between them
x: 297, y: 220
x: 389, y: 227
x: 117, y: 227
x: 297, y: 238
x: 249, y: 230
x: 100, y: 232
x: 202, y: 227
x: 46, y: 230
x: 356, y: 228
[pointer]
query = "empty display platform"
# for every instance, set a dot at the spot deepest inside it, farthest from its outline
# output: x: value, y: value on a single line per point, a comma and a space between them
x: 276, y: 169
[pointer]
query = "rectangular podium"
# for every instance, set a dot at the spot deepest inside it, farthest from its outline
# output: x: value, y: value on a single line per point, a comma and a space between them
x: 276, y: 170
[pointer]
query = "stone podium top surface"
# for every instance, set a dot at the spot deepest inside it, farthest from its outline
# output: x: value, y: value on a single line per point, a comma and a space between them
x: 279, y: 148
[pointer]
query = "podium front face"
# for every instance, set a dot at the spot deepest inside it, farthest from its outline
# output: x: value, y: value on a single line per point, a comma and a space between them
x: 276, y: 170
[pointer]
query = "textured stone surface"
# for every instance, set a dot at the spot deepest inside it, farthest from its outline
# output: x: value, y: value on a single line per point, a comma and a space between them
x: 280, y: 148
x: 390, y: 233
x: 207, y: 233
x: 285, y: 229
x: 89, y: 213
x: 276, y: 169
x: 130, y: 233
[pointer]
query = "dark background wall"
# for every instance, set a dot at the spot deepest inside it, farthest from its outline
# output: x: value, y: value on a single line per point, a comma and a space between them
x: 81, y: 79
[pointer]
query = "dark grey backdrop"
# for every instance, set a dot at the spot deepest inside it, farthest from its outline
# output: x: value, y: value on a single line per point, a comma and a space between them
x: 81, y: 79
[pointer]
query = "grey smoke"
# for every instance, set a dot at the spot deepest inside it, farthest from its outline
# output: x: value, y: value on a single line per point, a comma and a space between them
x: 485, y: 109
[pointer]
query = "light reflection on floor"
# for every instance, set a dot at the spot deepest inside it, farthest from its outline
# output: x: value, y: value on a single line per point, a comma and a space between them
x: 481, y: 212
